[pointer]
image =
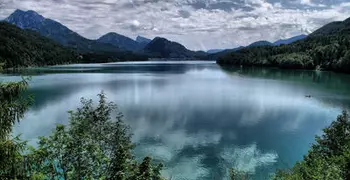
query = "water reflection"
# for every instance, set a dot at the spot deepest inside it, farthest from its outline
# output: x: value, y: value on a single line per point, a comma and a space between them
x: 198, y: 118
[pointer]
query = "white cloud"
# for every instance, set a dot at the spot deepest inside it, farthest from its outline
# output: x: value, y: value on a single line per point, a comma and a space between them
x: 198, y: 24
x: 247, y: 159
x: 310, y: 3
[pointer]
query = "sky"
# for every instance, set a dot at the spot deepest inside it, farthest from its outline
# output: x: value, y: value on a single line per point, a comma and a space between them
x: 197, y: 24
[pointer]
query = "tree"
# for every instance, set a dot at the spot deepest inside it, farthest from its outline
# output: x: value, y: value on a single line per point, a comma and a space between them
x: 328, y: 158
x: 13, y: 104
x: 93, y: 146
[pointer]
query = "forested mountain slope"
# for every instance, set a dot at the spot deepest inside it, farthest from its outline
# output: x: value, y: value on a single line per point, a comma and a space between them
x: 27, y: 48
x: 327, y: 48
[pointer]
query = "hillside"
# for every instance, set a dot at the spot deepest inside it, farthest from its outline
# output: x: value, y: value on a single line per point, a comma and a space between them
x: 289, y: 40
x: 334, y: 28
x: 27, y: 48
x: 328, y: 48
x: 216, y: 55
x: 260, y: 43
x: 142, y: 41
x: 163, y: 48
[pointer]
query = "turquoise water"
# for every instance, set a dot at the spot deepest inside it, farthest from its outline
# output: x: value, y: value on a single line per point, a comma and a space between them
x: 196, y: 117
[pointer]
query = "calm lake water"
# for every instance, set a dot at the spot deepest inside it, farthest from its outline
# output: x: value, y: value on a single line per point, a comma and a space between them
x: 196, y: 117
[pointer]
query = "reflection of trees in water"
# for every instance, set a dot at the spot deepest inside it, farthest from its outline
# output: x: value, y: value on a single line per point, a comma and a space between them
x: 325, y: 81
x: 111, y: 68
x: 188, y: 122
x: 56, y: 92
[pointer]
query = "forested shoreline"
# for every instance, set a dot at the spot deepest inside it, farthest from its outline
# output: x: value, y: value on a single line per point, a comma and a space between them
x: 25, y: 48
x: 328, y: 48
x: 322, y: 53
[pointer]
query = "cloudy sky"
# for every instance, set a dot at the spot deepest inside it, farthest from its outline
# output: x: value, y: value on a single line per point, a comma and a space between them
x: 197, y: 24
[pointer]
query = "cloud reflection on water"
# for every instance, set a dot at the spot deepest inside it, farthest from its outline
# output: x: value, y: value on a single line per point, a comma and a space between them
x: 199, y: 122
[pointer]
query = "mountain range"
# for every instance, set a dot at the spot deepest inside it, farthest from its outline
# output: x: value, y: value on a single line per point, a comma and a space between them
x: 120, y: 41
x: 56, y: 31
x: 262, y: 43
x: 107, y: 44
x: 114, y: 42
x: 163, y: 48
x: 328, y: 48
x: 290, y: 40
x: 305, y: 51
x: 142, y: 41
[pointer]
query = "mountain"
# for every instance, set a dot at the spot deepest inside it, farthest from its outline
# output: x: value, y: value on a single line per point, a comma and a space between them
x: 20, y: 48
x: 212, y: 51
x: 56, y: 31
x: 142, y: 41
x: 214, y: 56
x: 337, y: 27
x: 163, y: 48
x: 120, y: 41
x: 217, y: 53
x: 328, y: 48
x: 290, y: 40
x: 260, y: 43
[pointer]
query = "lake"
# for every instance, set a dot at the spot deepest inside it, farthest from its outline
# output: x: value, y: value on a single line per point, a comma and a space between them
x: 196, y: 117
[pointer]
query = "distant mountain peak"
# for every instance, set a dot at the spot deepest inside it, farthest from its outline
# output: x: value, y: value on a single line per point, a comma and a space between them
x: 55, y: 31
x: 290, y: 40
x: 141, y: 39
x: 18, y: 11
x: 121, y: 41
x: 212, y: 51
x: 22, y: 18
x: 164, y: 48
x: 260, y: 43
x: 112, y: 34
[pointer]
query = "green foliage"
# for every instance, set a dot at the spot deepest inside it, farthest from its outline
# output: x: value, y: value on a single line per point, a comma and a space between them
x: 11, y: 159
x: 12, y: 107
x: 328, y: 158
x: 20, y: 48
x: 93, y: 146
x: 237, y: 175
x: 1, y: 65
